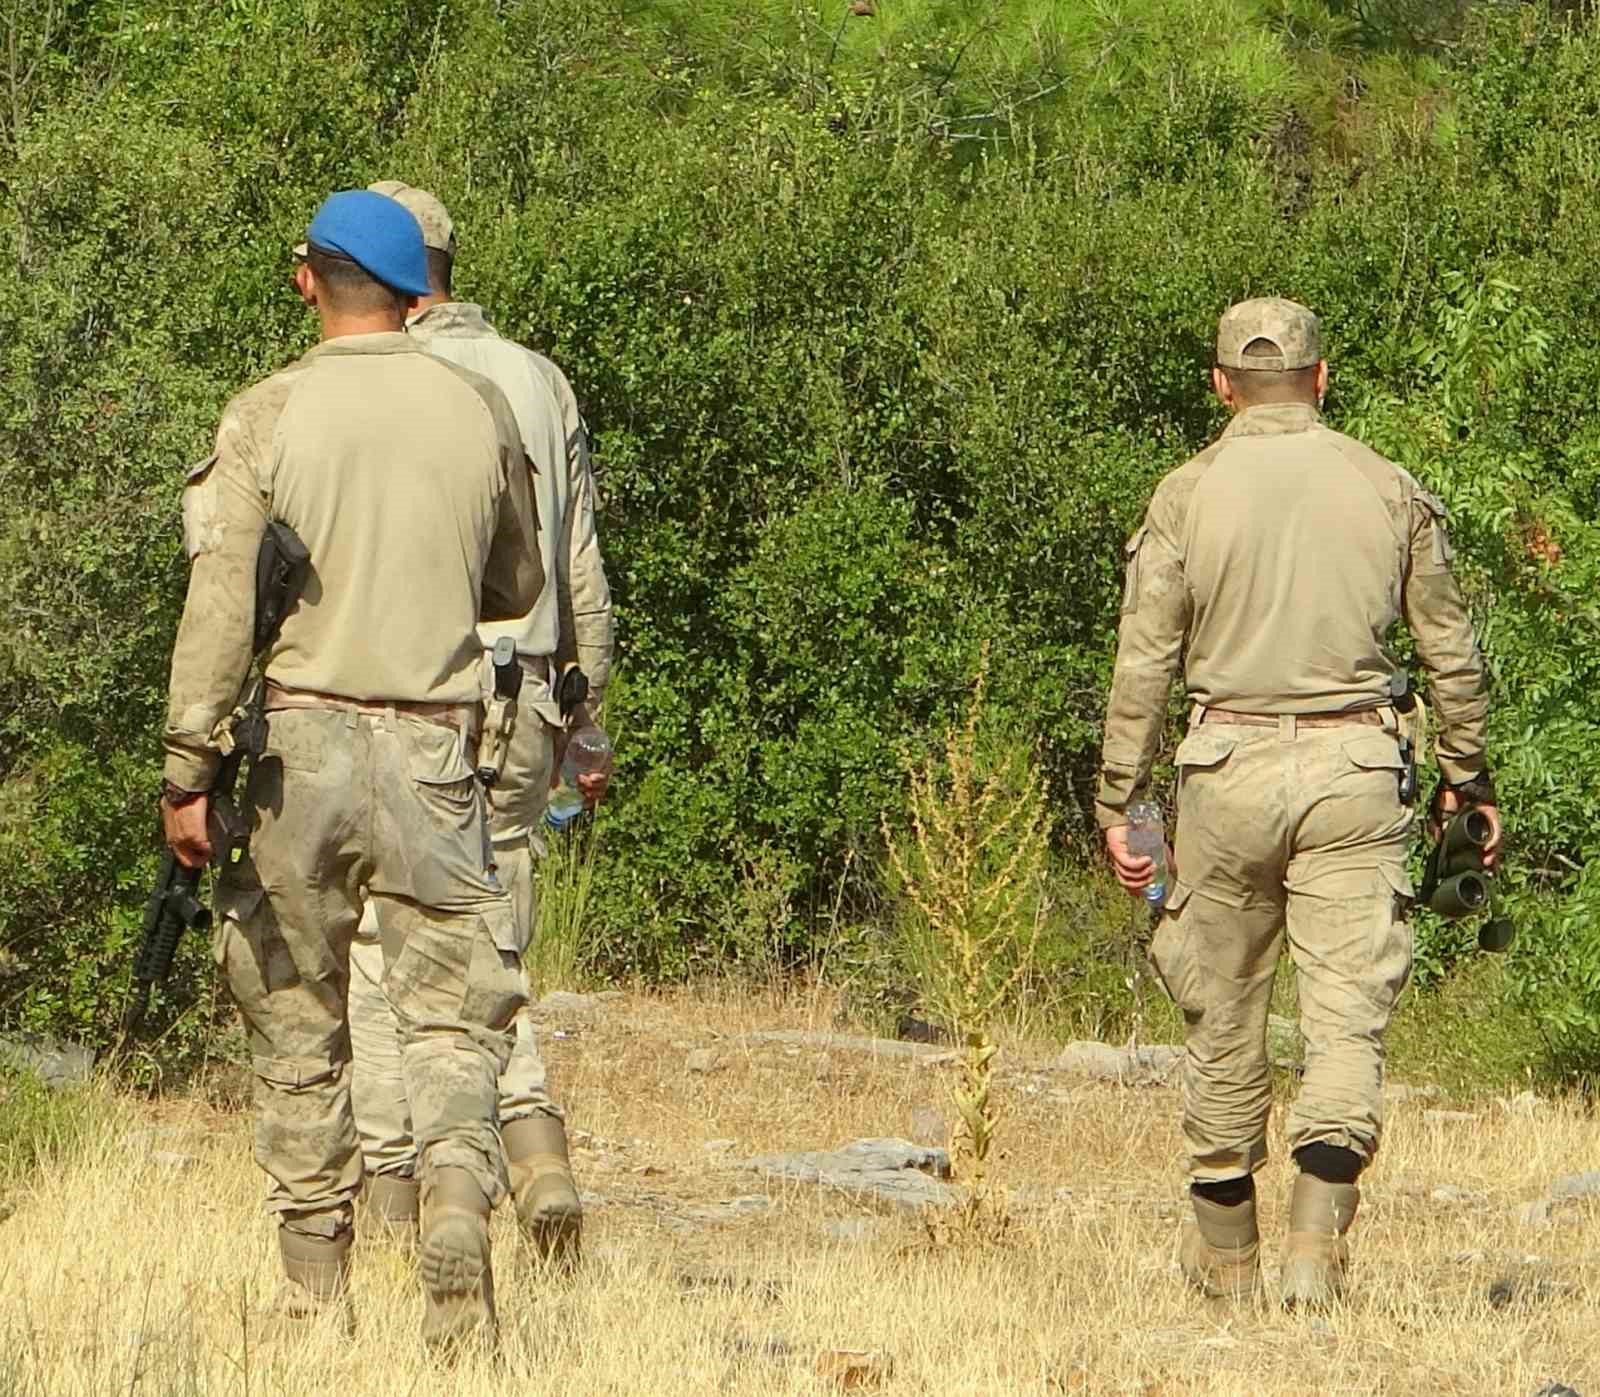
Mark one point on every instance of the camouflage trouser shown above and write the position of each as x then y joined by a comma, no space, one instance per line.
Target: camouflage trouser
343,802
1297,829
378,1089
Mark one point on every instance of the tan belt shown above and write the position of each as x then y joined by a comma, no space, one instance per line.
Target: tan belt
463,717
1364,717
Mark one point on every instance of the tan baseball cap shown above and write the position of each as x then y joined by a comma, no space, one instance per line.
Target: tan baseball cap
1287,326
438,232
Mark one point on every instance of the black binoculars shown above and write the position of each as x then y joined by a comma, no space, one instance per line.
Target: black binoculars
1456,884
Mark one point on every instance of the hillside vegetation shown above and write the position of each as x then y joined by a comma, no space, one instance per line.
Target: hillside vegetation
887,315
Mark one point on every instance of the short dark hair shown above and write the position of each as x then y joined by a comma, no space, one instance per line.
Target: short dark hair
441,270
349,287
1260,386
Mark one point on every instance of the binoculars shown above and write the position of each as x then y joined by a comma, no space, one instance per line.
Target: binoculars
1456,884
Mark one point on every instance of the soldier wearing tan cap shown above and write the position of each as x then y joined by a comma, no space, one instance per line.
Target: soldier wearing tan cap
1272,568
570,624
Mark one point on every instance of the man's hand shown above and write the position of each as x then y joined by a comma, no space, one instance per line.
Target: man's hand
1134,871
593,784
185,829
1449,803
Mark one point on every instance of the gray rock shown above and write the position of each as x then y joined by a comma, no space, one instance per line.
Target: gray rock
851,1230
1398,1092
702,1060
1524,1103
1585,1185
56,1064
729,1210
1534,1214
1448,1117
896,1171
719,1146
1153,1064
565,1006
173,1161
1449,1193
797,1038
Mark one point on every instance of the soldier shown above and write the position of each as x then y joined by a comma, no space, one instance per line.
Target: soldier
1275,564
570,625
406,479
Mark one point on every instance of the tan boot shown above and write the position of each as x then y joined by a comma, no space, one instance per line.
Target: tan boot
1315,1255
456,1272
393,1207
316,1273
1220,1252
548,1210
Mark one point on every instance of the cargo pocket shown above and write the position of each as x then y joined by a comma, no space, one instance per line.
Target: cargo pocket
496,987
236,905
439,767
1204,748
1172,957
1379,752
1391,935
252,955
295,739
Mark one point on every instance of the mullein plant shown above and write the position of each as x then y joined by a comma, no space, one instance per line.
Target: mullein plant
971,873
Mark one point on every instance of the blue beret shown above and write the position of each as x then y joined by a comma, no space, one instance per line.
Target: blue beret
378,234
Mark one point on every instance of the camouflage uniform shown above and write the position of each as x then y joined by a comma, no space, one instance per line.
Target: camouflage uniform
570,622
1272,566
417,522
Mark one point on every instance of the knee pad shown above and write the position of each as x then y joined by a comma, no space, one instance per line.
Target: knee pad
1225,1193
1333,1164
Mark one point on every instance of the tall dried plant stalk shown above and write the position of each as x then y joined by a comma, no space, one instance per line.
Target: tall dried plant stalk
972,876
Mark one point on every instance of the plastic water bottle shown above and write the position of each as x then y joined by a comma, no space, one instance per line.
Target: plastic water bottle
1147,836
588,752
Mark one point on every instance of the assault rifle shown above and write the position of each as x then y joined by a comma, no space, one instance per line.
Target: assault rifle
175,906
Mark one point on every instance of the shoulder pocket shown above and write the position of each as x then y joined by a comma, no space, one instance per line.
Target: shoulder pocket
200,533
1443,553
1130,576
1205,747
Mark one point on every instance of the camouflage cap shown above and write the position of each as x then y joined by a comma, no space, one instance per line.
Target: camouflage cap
438,232
1287,326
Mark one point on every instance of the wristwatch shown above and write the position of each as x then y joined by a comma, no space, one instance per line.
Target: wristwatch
176,796
1476,790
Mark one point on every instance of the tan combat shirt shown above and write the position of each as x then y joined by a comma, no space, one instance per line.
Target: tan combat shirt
572,620
1274,565
405,478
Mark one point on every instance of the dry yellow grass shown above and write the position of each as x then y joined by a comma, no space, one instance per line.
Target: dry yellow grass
126,1272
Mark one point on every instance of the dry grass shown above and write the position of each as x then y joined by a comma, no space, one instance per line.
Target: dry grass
120,1273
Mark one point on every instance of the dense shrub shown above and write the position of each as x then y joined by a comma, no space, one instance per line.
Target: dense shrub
885,335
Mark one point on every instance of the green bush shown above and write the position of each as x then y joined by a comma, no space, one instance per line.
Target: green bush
884,339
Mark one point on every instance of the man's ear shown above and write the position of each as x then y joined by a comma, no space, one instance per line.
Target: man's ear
305,282
1322,380
1222,388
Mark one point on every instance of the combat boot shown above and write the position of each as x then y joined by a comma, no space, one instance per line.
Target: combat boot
1315,1255
456,1272
548,1211
393,1207
316,1273
1220,1251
